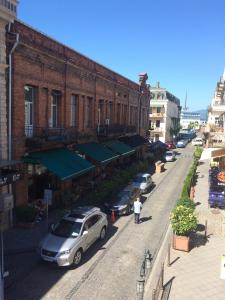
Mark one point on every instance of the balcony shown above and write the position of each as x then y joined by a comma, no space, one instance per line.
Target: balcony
156,129
157,115
113,130
38,137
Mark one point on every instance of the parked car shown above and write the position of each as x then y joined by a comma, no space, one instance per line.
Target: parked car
170,145
197,142
169,156
143,181
122,204
73,235
182,143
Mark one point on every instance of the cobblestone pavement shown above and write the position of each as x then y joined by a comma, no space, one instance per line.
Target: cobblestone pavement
196,275
110,270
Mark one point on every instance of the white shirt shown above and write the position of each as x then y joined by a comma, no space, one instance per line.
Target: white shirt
137,207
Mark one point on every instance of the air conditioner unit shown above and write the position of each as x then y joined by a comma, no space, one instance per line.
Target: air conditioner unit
6,202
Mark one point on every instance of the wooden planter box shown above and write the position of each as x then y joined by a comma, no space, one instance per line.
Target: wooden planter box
181,243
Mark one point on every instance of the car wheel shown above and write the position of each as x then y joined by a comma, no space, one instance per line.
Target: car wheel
77,257
102,234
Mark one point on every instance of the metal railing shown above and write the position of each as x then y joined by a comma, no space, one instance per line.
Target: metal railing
115,129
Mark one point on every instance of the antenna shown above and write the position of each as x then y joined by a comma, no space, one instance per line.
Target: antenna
185,103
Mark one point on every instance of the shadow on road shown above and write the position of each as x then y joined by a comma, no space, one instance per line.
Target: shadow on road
40,277
145,219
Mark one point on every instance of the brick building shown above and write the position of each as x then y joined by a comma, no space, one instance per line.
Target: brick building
61,98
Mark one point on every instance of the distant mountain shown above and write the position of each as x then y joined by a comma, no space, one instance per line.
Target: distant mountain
203,114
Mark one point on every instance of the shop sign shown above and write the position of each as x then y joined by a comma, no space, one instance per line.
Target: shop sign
9,178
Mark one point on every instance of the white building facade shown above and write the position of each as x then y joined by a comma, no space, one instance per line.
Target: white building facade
164,114
187,118
216,111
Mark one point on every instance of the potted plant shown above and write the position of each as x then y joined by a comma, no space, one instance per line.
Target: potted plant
183,222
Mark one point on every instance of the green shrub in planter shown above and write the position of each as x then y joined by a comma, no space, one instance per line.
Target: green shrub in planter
25,213
186,202
183,220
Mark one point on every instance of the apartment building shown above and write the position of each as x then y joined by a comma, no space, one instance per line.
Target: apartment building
164,114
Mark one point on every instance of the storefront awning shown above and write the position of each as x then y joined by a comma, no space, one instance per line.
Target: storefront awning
120,148
134,141
62,162
97,152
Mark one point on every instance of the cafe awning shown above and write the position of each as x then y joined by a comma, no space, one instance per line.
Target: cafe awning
120,148
97,152
63,163
134,141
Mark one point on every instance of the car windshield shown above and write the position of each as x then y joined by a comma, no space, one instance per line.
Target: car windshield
67,228
139,179
124,194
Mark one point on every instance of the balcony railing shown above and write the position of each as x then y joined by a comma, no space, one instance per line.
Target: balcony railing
157,115
38,135
115,129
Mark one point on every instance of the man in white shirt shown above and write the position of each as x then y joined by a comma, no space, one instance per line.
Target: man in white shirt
137,210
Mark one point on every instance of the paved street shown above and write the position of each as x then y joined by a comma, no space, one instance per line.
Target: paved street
110,269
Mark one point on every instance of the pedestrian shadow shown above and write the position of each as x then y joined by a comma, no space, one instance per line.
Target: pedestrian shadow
145,219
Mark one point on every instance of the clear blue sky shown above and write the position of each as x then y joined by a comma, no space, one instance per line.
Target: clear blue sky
180,43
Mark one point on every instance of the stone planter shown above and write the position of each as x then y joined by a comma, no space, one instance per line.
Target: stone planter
181,242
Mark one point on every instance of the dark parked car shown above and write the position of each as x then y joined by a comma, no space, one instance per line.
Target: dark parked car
123,202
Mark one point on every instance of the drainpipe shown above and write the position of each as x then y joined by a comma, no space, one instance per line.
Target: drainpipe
10,96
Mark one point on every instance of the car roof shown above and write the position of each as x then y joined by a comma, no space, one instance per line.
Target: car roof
130,187
143,174
81,213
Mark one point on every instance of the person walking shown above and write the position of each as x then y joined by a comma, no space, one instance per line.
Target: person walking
137,210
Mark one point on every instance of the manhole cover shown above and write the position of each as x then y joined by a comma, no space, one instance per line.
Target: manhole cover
215,211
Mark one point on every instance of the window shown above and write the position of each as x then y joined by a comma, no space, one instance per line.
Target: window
110,112
56,97
73,110
29,95
118,113
157,123
100,112
89,110
150,110
158,110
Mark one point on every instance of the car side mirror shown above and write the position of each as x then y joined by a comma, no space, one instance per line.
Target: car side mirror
85,232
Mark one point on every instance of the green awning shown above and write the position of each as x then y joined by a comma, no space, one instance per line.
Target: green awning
97,152
120,148
62,162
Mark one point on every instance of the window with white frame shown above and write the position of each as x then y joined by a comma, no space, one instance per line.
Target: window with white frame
29,97
56,97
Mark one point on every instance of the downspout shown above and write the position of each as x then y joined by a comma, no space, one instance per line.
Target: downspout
10,97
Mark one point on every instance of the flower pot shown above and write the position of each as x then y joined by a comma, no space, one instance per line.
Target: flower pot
181,243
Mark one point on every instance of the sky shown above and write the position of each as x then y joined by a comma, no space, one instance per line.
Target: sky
180,43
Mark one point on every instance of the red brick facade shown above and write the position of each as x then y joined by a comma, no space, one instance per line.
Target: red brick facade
101,95
46,65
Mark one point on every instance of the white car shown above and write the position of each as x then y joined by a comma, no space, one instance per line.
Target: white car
73,235
169,156
197,142
143,181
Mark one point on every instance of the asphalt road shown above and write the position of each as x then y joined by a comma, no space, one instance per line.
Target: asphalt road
110,269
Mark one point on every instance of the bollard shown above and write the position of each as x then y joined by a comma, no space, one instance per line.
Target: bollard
154,295
113,216
206,223
148,259
168,256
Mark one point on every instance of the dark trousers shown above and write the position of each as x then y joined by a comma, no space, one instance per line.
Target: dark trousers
136,218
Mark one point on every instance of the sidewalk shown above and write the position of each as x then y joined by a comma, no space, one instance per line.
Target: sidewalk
196,275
